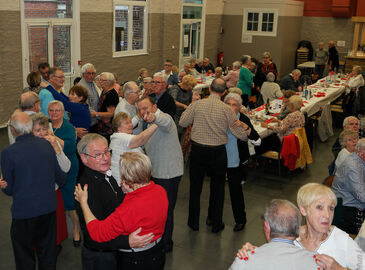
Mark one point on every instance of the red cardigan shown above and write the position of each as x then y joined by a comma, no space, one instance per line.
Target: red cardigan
145,207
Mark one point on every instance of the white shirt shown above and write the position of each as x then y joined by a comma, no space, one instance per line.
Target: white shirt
341,157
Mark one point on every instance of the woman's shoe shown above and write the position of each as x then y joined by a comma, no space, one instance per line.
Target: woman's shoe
77,243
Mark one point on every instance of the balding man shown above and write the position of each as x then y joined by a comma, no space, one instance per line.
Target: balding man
291,81
333,60
282,221
211,118
29,103
30,170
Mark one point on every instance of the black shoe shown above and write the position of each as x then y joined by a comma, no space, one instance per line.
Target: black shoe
194,228
77,243
58,250
208,222
218,229
239,227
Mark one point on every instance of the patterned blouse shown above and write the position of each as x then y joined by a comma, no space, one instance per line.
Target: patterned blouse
290,123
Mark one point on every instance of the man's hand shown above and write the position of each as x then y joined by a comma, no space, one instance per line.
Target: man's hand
149,117
81,132
93,114
136,241
238,123
3,184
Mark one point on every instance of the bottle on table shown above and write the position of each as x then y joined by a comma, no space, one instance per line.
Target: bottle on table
267,105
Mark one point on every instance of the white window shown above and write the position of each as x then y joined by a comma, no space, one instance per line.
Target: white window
130,27
260,22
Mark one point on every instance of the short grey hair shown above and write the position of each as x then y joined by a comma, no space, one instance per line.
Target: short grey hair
283,218
296,71
55,102
345,134
147,79
128,88
270,77
83,145
245,59
347,119
360,146
28,100
235,90
199,60
296,102
266,54
20,126
86,67
160,74
235,97
109,77
236,64
218,85
40,119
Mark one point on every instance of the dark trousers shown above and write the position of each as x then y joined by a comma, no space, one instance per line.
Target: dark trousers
212,160
171,186
244,100
235,191
97,260
319,70
352,219
151,259
35,236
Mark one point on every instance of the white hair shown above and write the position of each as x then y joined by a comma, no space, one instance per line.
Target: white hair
129,88
54,102
236,64
109,77
296,71
234,96
270,77
160,74
347,119
147,79
20,127
86,67
360,146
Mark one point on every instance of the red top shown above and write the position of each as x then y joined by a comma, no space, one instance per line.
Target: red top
145,207
290,151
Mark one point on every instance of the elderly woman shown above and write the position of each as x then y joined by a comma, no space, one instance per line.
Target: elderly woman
245,81
237,157
108,101
348,140
143,73
144,206
65,131
123,140
198,65
232,77
355,80
270,90
218,72
41,129
263,69
294,120
349,184
285,106
335,248
35,84
182,94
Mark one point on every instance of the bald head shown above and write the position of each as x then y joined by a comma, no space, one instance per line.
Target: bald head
331,44
218,86
29,101
20,123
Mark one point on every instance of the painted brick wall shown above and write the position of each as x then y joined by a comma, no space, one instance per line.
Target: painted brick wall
213,37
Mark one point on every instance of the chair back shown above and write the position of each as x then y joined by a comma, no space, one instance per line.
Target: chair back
305,152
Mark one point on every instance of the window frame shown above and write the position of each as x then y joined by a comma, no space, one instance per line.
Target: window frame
259,31
130,51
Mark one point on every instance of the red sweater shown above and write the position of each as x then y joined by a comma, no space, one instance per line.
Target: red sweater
145,207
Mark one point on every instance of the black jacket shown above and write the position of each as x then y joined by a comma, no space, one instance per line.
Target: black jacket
166,103
243,145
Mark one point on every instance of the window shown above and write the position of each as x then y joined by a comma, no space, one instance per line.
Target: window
260,22
130,27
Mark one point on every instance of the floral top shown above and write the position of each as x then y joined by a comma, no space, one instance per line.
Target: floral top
290,123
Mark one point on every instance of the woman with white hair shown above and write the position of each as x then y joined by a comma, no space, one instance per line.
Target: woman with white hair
245,81
270,90
231,78
348,140
355,80
294,120
237,158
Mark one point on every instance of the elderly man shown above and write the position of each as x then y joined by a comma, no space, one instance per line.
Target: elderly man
128,103
282,221
320,59
351,123
349,184
270,90
167,72
198,65
164,150
333,60
93,92
104,196
164,101
29,103
43,69
291,81
30,170
207,67
211,118
147,86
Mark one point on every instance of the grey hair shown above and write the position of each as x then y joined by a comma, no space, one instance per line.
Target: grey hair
270,77
83,145
147,79
283,218
86,67
192,60
245,59
235,90
219,69
28,100
54,102
360,146
266,54
236,64
160,74
109,77
234,96
218,85
199,60
206,59
296,102
345,134
40,119
128,88
296,71
347,119
20,127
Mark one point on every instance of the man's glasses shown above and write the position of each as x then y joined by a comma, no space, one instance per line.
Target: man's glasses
60,77
156,82
90,73
99,156
55,111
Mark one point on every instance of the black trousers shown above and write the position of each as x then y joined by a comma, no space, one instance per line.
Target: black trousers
235,191
151,259
203,160
97,260
35,237
171,186
352,219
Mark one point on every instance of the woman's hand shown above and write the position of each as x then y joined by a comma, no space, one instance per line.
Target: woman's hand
3,183
245,250
81,132
53,141
327,262
81,194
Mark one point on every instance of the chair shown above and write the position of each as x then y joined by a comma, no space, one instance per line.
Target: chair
305,156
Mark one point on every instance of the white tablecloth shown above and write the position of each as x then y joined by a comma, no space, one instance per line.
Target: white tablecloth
203,85
309,64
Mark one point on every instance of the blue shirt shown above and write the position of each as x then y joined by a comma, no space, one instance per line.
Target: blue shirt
233,156
94,106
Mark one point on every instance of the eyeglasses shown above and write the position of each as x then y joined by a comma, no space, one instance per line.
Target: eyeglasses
55,111
99,156
266,57
168,65
60,77
90,73
156,82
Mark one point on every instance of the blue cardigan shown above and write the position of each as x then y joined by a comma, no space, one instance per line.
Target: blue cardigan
31,170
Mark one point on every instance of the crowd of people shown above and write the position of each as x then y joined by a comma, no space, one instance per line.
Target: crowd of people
113,157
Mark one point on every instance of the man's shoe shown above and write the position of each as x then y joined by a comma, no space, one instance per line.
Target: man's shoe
239,227
218,229
194,228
